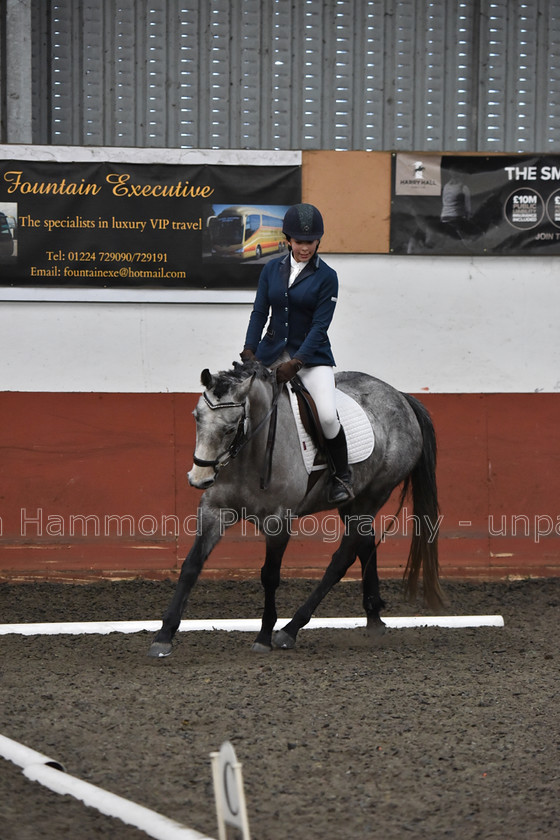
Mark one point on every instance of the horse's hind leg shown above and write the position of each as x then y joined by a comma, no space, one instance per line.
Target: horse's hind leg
270,579
341,561
372,601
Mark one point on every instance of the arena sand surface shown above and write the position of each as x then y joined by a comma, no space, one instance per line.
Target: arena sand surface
428,733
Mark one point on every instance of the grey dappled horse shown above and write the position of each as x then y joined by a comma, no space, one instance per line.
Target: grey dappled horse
232,422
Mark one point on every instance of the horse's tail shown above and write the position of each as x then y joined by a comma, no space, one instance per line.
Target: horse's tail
423,554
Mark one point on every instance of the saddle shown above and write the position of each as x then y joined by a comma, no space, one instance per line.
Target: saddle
308,413
359,433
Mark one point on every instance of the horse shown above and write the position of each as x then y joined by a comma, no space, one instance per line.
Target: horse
246,439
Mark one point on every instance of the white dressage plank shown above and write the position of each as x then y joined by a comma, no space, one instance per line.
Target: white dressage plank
244,625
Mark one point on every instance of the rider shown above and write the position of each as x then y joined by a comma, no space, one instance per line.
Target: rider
301,290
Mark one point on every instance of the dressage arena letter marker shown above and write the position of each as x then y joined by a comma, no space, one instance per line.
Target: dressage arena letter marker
40,768
228,791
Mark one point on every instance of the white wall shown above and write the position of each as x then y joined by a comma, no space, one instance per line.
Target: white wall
443,324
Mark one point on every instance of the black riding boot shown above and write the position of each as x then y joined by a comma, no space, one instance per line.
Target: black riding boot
340,487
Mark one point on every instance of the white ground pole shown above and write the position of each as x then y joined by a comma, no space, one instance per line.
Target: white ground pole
244,625
50,773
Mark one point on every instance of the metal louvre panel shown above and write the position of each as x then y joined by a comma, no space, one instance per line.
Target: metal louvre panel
163,47
255,128
67,71
41,72
549,100
317,74
95,54
542,39
157,47
519,75
432,89
407,58
460,71
370,113
219,56
519,57
429,116
446,72
349,69
128,120
191,77
296,86
494,80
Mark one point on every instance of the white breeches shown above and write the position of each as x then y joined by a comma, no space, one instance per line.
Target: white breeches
319,381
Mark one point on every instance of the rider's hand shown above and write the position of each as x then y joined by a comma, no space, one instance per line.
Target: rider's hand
247,355
287,370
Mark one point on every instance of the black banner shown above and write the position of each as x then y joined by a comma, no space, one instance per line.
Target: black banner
137,225
455,204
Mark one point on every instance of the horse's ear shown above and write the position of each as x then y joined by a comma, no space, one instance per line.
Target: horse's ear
244,389
207,379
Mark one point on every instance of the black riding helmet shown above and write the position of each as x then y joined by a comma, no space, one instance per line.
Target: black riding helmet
304,223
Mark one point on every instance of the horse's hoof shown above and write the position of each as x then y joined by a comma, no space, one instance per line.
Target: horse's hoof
160,649
283,640
258,647
376,629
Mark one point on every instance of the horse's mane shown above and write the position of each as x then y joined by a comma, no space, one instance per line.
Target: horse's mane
225,380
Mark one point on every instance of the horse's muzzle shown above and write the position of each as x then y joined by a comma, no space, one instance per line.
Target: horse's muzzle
201,477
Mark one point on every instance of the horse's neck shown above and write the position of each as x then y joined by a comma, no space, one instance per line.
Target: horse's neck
260,401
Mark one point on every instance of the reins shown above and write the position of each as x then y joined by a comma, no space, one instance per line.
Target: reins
273,414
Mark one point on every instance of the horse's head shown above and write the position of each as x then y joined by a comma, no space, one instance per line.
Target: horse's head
221,422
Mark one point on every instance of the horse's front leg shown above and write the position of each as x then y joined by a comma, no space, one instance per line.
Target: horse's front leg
210,532
270,579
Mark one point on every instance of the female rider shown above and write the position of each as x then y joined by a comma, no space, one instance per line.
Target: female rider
300,291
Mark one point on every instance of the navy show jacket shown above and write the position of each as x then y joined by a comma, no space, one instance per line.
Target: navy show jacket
300,316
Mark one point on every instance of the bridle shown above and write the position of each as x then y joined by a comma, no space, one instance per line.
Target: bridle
242,437
237,442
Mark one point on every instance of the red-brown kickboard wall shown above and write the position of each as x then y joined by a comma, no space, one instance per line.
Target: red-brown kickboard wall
97,455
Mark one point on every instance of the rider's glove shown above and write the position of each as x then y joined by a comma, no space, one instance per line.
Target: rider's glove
247,355
287,370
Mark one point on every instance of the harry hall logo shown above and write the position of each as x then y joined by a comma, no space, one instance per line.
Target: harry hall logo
418,168
416,175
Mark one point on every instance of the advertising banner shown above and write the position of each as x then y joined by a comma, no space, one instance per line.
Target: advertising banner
472,204
141,225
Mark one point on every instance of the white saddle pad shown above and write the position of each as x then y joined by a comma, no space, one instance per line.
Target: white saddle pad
359,434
